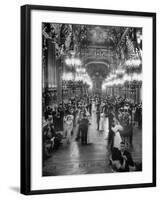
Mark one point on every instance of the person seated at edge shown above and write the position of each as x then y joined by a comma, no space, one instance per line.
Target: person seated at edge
128,158
121,160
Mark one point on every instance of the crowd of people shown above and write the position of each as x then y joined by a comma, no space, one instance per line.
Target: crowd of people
115,117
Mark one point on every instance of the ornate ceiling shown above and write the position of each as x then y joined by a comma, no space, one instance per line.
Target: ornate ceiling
100,48
103,36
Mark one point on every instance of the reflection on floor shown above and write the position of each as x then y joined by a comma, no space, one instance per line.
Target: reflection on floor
75,158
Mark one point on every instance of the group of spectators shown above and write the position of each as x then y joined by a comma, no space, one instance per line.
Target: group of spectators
121,116
120,113
59,122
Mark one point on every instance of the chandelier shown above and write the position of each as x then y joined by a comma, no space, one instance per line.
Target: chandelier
133,63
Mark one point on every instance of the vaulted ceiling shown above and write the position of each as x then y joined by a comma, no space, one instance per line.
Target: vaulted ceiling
103,36
101,48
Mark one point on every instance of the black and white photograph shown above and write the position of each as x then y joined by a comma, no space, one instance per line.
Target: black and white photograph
80,80
92,101
88,99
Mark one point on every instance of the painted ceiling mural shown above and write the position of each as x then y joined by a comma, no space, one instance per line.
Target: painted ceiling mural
101,48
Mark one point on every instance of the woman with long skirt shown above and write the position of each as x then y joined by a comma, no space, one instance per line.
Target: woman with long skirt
117,137
101,123
68,127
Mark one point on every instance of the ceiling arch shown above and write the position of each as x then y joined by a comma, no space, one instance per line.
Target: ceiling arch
97,70
97,63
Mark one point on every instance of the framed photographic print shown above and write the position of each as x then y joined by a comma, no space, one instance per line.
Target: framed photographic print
88,99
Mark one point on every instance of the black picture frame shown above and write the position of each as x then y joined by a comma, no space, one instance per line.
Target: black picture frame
26,98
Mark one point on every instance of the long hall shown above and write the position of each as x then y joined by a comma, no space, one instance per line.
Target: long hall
91,99
76,158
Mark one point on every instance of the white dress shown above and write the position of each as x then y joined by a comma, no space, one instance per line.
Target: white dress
89,134
101,123
106,127
93,107
87,113
117,137
69,127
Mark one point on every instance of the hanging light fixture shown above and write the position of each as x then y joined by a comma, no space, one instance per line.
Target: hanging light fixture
73,62
133,62
120,71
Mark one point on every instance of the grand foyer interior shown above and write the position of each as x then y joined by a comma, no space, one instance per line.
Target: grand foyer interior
85,59
89,65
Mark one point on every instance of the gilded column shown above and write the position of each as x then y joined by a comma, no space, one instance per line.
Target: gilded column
51,64
59,80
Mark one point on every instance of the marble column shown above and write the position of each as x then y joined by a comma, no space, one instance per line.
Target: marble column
140,92
59,69
137,93
45,69
51,64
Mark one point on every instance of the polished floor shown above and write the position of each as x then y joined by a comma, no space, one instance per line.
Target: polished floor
75,158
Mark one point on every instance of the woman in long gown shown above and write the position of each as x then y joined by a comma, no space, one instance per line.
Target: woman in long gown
106,127
117,137
78,120
101,123
68,127
93,106
90,132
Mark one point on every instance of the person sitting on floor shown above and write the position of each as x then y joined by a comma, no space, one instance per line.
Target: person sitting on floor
121,160
129,164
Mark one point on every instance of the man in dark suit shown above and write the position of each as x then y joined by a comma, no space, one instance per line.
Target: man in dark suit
60,116
98,118
83,128
126,155
90,108
111,124
105,108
